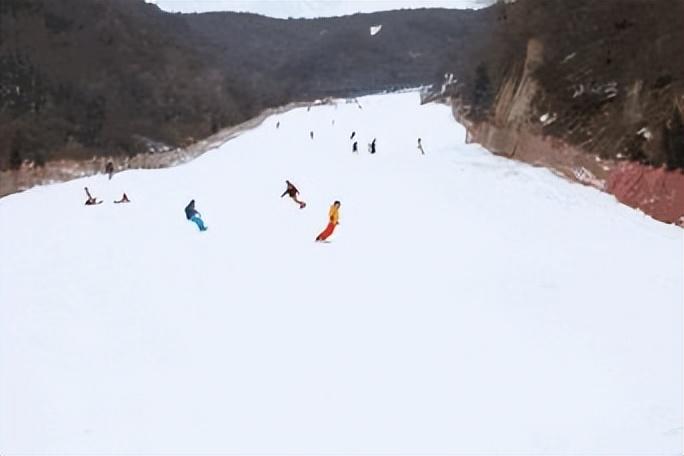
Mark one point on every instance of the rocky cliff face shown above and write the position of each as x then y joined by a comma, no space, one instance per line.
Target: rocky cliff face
593,90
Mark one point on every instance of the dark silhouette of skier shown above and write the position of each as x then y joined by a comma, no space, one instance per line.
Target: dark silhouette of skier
420,147
194,216
371,146
124,199
311,134
278,124
292,192
352,135
109,169
355,147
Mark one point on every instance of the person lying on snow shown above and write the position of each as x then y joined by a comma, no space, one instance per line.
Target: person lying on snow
91,201
333,217
292,192
194,216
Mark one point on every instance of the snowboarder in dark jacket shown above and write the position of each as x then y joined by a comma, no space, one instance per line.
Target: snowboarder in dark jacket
292,192
194,216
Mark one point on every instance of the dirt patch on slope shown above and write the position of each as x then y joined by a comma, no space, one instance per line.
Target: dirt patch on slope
656,191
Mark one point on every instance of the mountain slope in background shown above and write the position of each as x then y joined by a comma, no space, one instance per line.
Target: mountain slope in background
83,78
593,90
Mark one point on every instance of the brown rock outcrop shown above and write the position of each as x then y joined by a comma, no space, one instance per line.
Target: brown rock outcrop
592,90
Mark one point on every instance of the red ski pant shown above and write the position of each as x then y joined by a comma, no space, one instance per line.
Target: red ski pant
326,232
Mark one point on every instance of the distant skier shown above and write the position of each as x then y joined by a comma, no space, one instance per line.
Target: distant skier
278,124
311,134
194,216
420,147
355,147
124,199
352,135
91,201
292,192
371,147
109,169
333,221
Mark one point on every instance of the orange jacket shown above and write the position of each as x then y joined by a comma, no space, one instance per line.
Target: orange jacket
334,214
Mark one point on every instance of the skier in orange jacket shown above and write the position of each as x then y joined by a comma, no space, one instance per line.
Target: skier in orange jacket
334,217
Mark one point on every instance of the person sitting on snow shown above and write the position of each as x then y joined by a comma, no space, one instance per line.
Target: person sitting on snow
194,216
91,201
292,191
124,199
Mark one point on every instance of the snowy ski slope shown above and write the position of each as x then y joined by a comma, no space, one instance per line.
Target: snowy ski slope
467,304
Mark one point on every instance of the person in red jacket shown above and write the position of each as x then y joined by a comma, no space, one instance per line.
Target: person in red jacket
292,192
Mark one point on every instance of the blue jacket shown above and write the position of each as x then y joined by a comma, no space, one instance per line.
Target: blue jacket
190,210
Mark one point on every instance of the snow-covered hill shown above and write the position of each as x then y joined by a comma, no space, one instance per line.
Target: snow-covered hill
466,303
311,8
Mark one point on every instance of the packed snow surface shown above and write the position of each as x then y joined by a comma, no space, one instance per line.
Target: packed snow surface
284,9
465,304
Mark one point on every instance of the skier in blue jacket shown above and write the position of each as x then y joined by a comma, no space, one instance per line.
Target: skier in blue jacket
194,216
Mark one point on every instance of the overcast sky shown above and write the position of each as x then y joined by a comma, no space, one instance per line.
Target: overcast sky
309,8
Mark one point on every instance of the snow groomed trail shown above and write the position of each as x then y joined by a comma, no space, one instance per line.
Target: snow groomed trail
467,304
